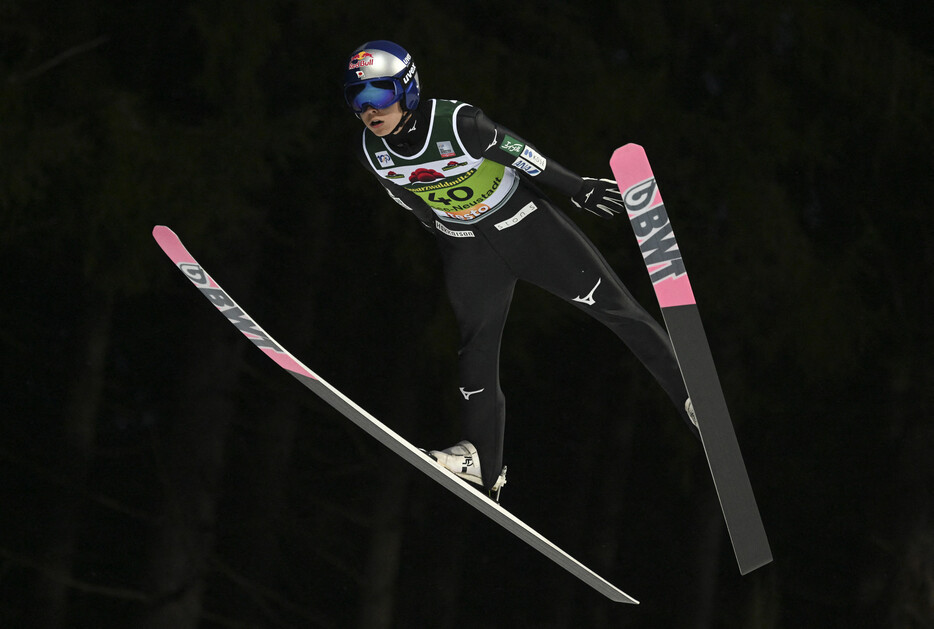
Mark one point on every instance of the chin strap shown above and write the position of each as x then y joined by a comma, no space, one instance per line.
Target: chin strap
406,117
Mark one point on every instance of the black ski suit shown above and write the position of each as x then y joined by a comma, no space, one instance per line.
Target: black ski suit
484,252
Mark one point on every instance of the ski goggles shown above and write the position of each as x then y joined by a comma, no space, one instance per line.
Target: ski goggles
377,94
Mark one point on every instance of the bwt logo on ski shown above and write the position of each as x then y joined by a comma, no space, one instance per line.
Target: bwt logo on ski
228,307
653,231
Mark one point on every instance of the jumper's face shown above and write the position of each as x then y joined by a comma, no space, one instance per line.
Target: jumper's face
382,121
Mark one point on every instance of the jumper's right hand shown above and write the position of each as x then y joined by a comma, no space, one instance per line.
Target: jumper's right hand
599,196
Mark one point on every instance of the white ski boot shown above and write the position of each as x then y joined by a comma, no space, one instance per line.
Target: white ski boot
462,459
689,407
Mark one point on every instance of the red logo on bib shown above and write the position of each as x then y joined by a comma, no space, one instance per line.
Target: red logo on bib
425,175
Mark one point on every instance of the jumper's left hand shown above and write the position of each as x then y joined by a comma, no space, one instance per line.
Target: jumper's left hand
599,196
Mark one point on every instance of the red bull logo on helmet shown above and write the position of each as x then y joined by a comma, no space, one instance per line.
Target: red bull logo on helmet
360,60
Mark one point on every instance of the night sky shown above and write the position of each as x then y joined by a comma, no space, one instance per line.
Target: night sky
157,471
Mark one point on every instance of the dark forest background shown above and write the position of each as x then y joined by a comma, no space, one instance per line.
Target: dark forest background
156,471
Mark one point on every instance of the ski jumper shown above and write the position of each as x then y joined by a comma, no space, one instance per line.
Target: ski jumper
473,184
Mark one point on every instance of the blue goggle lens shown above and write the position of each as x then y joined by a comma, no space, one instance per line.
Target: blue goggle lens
377,94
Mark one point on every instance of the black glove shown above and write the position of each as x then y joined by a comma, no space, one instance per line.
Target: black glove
599,196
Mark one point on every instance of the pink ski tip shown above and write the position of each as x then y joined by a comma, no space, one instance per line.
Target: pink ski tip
632,161
171,245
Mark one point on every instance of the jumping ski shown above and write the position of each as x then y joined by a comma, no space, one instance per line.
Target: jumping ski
177,252
662,257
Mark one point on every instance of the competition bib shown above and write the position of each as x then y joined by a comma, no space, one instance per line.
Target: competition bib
456,186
